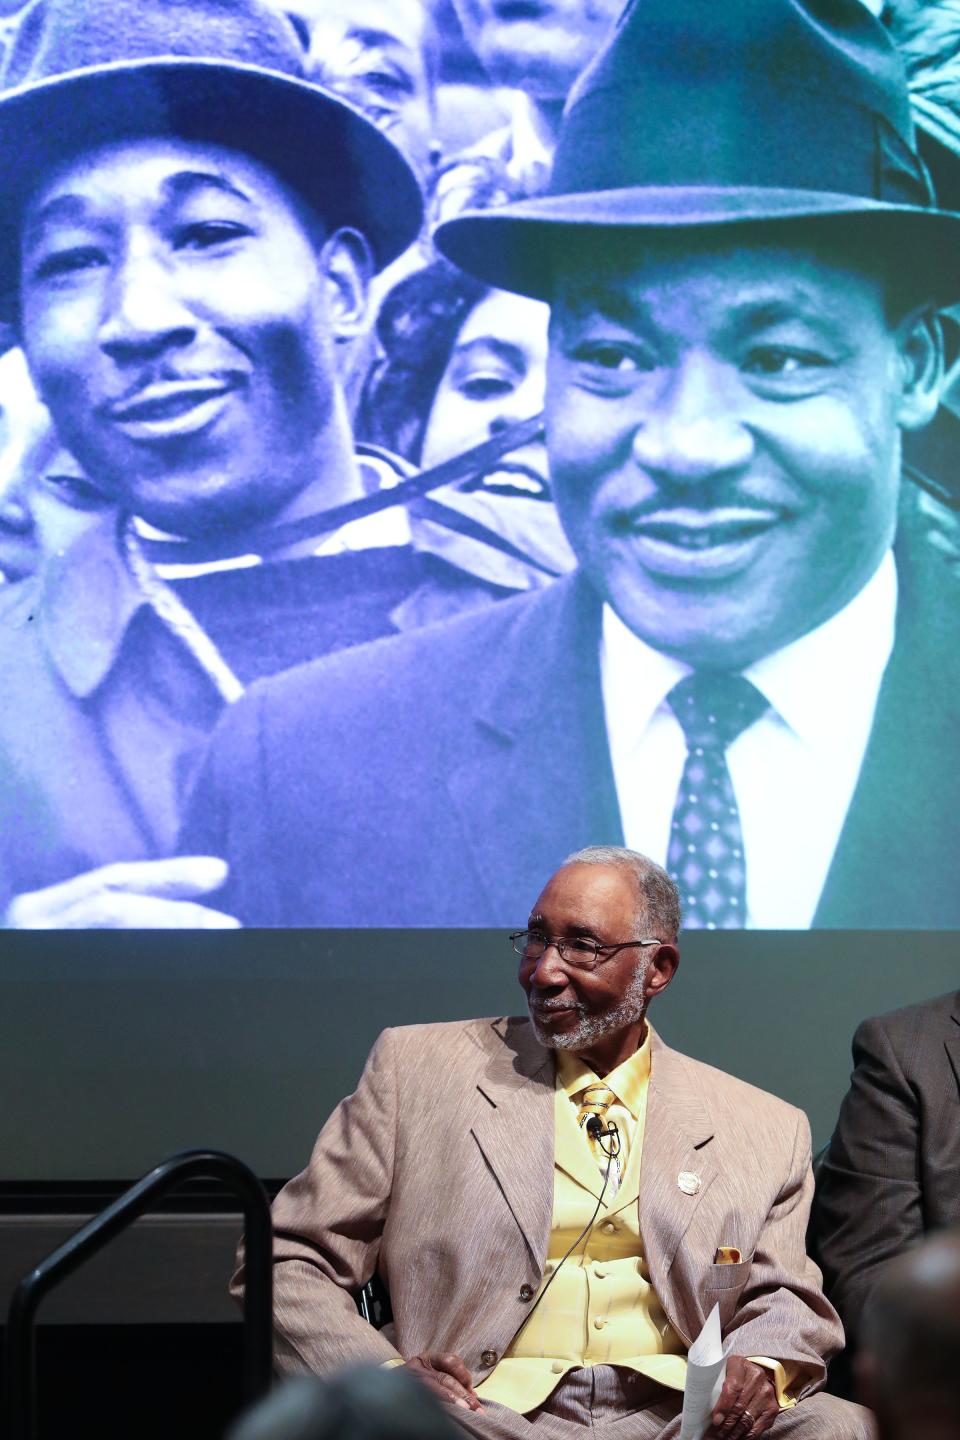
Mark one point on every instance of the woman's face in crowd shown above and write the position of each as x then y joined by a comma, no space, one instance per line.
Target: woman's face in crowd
496,376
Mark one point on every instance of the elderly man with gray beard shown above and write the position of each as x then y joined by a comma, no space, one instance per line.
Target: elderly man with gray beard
490,1172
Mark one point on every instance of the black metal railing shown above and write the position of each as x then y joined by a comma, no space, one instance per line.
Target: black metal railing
19,1409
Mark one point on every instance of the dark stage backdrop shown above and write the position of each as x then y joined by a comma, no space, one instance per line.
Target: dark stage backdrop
116,1049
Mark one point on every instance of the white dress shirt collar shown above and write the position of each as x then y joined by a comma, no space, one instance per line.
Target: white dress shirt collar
793,771
831,670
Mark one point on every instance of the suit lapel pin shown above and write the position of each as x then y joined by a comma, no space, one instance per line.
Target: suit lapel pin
688,1182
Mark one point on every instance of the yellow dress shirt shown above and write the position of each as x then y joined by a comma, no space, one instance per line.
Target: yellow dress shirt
601,1309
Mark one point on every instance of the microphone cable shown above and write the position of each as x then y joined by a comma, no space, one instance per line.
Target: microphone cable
595,1130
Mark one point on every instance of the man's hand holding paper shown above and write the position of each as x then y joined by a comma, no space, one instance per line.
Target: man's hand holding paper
747,1404
728,1398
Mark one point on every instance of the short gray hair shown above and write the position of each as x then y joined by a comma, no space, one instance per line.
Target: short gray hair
657,893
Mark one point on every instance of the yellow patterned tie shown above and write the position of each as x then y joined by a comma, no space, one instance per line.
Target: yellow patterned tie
596,1100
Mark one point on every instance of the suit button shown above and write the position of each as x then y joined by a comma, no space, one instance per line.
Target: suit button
488,1358
526,1292
608,1227
558,1367
599,1323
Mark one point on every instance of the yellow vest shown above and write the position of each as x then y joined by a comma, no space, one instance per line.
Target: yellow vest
601,1309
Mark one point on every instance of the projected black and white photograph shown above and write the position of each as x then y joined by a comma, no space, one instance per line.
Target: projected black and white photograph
479,559
439,435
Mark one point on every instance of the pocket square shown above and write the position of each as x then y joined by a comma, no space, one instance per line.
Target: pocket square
727,1255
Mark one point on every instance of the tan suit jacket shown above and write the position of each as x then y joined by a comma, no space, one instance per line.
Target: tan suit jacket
438,1172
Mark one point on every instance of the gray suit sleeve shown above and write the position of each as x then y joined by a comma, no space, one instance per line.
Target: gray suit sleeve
328,1224
869,1203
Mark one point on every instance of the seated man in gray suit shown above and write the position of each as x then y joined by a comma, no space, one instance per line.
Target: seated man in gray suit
892,1173
472,1164
729,682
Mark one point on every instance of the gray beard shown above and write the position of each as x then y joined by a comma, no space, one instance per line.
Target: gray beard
631,1008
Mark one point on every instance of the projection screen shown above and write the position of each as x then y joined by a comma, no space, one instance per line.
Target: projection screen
349,590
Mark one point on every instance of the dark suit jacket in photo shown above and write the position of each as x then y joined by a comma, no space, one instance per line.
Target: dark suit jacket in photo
892,1172
438,778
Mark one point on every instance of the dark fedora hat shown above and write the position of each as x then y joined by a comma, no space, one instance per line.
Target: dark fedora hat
82,73
722,112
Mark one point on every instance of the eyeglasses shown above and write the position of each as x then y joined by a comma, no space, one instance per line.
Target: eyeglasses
580,953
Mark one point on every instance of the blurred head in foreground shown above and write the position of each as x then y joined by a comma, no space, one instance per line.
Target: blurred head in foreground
362,1403
908,1367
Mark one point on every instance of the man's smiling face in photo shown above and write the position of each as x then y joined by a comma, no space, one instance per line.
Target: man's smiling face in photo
723,420
177,313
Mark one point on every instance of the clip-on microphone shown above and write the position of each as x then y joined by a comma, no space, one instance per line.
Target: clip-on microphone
594,1128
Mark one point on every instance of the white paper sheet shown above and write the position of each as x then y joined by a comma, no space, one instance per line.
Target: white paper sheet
706,1368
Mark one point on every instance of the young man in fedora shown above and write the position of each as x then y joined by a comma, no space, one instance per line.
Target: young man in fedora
745,678
189,232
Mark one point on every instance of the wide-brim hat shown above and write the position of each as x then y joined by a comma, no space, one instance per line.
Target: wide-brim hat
83,73
699,113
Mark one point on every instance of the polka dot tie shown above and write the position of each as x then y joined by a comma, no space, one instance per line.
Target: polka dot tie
706,844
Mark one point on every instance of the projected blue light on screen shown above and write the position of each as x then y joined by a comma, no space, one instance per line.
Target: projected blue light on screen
702,614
